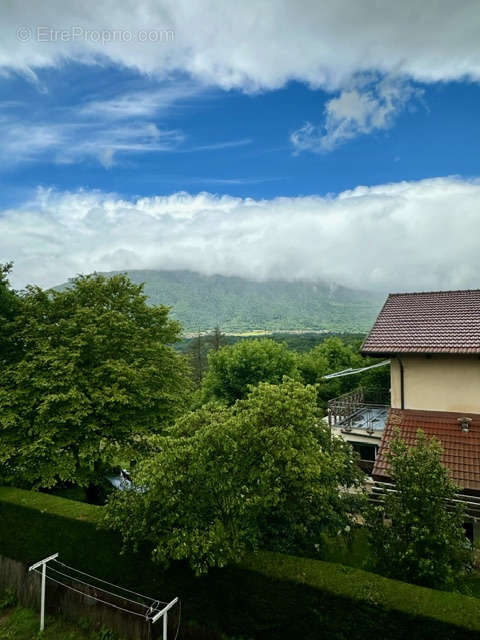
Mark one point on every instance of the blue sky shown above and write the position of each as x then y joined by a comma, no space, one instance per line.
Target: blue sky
226,141
335,140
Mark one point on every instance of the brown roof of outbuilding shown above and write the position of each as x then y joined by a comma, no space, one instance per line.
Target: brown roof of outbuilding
461,450
433,322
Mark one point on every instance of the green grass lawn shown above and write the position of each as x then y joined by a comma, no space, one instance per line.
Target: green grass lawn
17,623
23,624
471,585
355,553
71,493
359,554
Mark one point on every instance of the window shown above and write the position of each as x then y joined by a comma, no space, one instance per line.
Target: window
365,451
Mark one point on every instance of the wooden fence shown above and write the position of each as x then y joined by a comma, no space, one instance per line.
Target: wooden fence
74,606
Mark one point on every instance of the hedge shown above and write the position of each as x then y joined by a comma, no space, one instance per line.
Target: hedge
269,596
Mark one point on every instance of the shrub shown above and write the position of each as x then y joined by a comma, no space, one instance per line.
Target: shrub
8,599
265,473
424,542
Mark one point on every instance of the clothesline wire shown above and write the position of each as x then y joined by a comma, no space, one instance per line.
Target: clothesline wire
82,593
83,573
110,593
179,618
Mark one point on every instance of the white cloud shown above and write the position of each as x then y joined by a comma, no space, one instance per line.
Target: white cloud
76,140
255,45
103,144
25,140
218,146
142,104
355,111
102,130
402,236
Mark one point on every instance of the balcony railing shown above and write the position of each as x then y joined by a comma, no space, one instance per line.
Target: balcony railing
350,411
471,503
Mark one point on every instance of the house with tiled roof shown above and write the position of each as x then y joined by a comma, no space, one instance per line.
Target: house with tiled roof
433,342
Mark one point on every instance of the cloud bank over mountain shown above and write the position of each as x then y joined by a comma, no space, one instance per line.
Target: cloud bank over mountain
417,235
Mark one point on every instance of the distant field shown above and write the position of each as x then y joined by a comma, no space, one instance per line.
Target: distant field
300,341
259,333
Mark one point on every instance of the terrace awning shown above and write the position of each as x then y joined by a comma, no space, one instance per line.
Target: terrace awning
351,371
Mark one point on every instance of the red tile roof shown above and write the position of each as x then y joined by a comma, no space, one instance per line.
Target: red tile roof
435,322
461,451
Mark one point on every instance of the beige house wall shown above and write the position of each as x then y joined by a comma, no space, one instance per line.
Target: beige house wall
437,383
395,384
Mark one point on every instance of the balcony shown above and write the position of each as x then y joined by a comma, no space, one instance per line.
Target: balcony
350,413
360,423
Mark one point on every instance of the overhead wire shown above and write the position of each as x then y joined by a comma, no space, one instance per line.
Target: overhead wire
110,593
111,584
87,595
179,618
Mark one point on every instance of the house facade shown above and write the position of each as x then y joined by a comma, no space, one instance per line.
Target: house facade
436,382
433,342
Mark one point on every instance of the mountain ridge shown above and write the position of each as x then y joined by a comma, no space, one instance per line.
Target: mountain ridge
235,304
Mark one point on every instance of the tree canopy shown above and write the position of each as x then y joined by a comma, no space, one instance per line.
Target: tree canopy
423,540
9,308
234,369
265,472
333,355
96,371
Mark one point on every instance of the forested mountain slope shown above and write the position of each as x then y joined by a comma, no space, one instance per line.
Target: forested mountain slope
236,304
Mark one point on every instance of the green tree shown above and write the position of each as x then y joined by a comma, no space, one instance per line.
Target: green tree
335,354
265,473
312,365
9,308
97,371
332,355
216,339
422,540
233,370
197,352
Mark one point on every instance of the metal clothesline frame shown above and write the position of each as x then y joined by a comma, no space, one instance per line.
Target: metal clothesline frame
34,567
153,612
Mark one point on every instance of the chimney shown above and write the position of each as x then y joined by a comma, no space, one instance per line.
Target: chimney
464,423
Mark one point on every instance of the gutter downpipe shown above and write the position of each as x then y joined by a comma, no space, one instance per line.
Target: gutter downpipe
402,384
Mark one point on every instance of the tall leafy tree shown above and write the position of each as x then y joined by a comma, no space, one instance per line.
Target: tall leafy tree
422,539
9,308
197,352
97,371
216,339
263,473
335,354
233,370
332,355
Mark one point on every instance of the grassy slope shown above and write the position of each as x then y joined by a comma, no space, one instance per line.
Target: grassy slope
235,304
51,504
22,624
279,579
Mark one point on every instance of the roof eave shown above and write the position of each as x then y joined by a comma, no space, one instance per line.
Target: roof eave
452,351
377,354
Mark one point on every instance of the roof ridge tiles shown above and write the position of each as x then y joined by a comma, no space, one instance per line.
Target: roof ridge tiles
440,291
